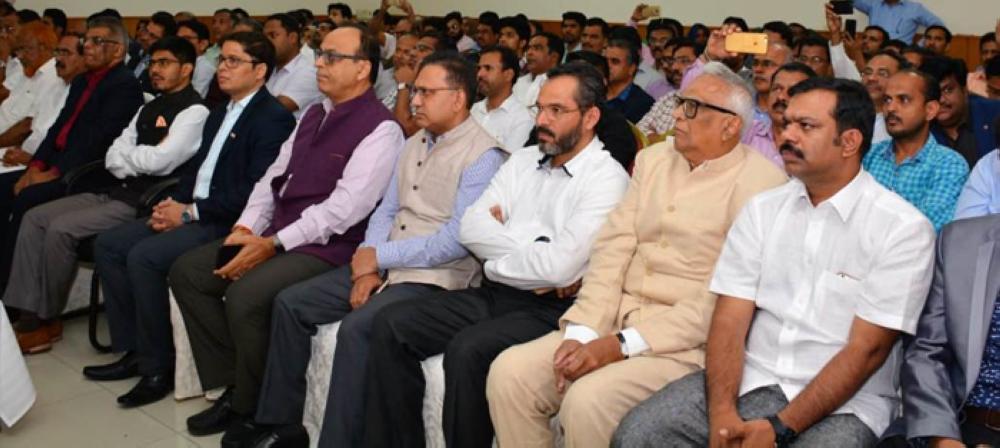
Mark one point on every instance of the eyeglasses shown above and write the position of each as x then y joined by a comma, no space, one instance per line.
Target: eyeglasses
882,73
424,48
233,61
428,91
690,107
552,111
814,59
332,57
61,52
99,41
162,62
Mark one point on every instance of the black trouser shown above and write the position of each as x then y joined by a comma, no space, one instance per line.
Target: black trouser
133,262
471,327
975,434
12,211
229,337
298,310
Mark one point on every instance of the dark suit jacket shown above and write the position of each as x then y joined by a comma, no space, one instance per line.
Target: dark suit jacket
249,150
983,114
107,112
942,360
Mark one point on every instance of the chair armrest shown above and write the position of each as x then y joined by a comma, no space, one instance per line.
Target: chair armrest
87,177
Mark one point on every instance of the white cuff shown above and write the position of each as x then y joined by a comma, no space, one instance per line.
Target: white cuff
194,211
634,343
580,333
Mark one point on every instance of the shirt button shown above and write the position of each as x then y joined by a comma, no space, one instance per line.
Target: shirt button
670,208
402,227
414,188
664,243
419,164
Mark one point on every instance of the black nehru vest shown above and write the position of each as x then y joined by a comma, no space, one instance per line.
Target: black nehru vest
163,109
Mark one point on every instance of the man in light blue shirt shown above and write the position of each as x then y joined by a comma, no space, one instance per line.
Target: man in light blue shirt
913,164
901,18
981,194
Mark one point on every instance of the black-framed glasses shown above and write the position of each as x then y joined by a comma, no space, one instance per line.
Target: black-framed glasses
690,107
428,91
61,52
100,41
162,62
233,61
333,57
553,111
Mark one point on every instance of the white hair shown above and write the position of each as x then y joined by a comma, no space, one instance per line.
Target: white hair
740,98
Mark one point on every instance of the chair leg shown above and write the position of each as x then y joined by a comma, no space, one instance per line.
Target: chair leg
95,309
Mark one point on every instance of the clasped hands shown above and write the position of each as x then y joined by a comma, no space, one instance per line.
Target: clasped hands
255,250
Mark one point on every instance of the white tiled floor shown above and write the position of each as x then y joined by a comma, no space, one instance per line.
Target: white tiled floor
71,411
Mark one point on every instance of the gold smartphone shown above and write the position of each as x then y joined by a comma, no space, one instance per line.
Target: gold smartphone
651,11
751,43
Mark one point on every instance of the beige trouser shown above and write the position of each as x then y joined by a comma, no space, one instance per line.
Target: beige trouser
522,393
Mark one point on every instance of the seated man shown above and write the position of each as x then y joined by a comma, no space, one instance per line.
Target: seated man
294,80
162,136
949,376
660,118
545,52
981,193
786,77
204,69
305,217
659,305
965,122
875,76
500,112
816,280
913,164
411,250
98,107
38,97
429,42
623,94
534,227
238,143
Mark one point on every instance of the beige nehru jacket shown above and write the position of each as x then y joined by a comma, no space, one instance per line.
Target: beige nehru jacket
428,183
653,259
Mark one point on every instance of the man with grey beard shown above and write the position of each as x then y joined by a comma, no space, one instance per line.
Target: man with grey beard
533,227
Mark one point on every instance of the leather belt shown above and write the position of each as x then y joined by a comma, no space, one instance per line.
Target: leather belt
980,416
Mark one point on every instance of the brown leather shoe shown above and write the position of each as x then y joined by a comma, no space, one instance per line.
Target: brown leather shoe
55,327
40,339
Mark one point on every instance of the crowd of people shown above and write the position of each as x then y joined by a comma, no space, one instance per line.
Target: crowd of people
631,228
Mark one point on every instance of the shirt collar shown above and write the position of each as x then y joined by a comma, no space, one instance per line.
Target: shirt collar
845,200
241,104
625,93
434,140
95,76
574,164
735,156
293,63
889,151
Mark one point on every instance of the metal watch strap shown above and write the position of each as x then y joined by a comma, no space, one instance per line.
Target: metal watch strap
783,435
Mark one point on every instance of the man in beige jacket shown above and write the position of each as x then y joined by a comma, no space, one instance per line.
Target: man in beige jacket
642,316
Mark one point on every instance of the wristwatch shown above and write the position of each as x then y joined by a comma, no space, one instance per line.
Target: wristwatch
783,435
624,346
278,247
186,216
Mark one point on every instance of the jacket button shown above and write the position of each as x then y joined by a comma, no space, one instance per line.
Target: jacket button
414,188
402,227
419,164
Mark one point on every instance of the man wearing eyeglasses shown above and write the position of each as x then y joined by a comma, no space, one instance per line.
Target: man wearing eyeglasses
305,217
238,142
815,52
161,137
879,68
641,317
99,105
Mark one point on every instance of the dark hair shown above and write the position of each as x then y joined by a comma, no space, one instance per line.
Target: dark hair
454,15
441,41
106,12
591,58
812,41
630,49
461,72
626,33
289,23
436,23
508,60
931,90
305,13
179,47
297,14
199,28
79,40
895,43
684,42
659,25
574,16
166,21
520,26
248,21
992,67
987,38
943,67
795,67
854,109
943,29
258,46
738,21
240,12
7,9
553,43
27,16
782,29
342,7
490,19
599,22
901,62
590,88
536,25
368,48
225,11
880,30
57,16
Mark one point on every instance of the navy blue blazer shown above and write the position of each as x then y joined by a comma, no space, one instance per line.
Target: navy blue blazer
983,113
108,111
249,150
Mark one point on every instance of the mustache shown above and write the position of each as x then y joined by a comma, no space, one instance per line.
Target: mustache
892,116
780,104
546,131
787,147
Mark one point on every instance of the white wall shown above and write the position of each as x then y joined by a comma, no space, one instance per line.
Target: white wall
962,16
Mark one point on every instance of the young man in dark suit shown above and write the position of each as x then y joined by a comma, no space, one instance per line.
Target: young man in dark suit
240,141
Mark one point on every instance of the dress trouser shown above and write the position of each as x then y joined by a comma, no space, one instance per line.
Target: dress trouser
45,256
471,327
133,262
229,337
12,211
298,310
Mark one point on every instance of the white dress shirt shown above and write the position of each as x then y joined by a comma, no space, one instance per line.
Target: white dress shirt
646,75
880,132
527,87
551,216
466,43
510,124
13,73
127,158
385,87
203,180
297,81
864,253
204,71
39,97
843,65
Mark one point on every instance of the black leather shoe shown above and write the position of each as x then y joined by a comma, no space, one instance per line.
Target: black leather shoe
243,432
150,389
124,368
288,436
214,419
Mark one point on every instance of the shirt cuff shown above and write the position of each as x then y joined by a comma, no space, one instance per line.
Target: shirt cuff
194,212
634,343
290,237
580,333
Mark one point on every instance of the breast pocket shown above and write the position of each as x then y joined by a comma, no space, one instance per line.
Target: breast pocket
837,299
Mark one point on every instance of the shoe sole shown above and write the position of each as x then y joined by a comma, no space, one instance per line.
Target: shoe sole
208,431
37,349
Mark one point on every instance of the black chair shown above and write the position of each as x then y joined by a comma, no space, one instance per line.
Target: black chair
93,177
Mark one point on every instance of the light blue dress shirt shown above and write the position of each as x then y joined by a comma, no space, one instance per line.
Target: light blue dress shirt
981,194
901,20
203,182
